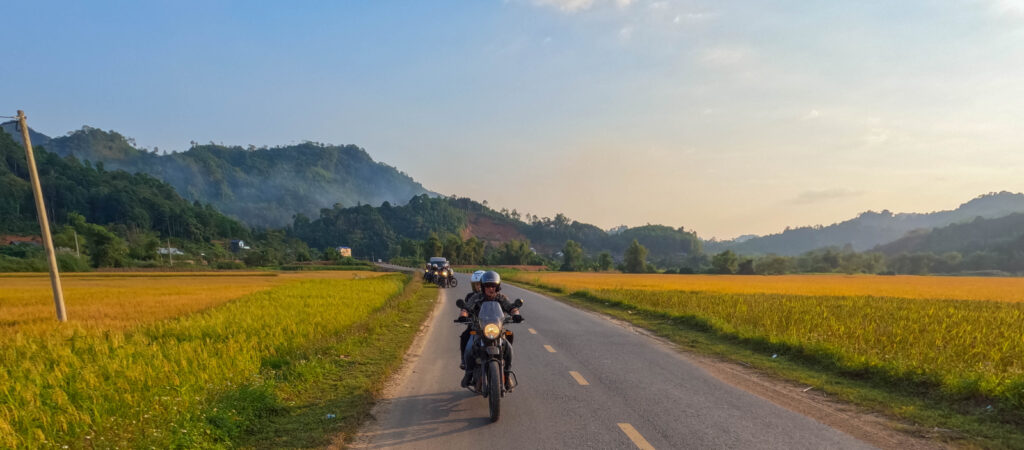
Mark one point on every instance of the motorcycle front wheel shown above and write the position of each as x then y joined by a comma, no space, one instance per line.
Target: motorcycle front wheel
455,283
494,389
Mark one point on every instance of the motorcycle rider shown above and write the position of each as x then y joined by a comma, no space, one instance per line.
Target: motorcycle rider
474,281
490,285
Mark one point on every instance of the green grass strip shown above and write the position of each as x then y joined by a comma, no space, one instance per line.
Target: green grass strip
341,377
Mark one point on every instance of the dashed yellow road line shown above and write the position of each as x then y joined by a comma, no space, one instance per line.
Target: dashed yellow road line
550,349
532,331
579,378
635,436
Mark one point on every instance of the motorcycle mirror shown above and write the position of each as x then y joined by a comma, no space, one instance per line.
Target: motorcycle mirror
460,303
518,303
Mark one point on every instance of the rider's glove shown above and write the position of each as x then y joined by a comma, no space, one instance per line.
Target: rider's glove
517,318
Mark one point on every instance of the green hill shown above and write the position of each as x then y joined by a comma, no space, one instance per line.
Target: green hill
121,214
263,187
382,230
979,245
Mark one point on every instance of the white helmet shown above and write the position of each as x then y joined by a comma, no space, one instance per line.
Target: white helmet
475,280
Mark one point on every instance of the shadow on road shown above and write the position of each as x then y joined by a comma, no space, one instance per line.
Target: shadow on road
422,418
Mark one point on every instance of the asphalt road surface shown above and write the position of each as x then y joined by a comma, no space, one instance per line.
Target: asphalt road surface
584,382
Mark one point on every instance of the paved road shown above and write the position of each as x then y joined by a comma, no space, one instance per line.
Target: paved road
584,382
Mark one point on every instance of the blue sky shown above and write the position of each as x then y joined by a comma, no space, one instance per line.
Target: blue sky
726,117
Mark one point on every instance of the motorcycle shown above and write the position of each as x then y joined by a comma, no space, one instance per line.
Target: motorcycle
446,279
489,352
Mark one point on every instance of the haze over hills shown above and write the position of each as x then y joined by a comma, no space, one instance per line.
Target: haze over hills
263,187
870,228
318,189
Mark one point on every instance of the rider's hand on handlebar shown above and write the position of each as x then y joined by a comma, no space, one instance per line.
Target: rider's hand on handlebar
517,318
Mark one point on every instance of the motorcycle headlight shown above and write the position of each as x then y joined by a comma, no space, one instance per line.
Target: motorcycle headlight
492,330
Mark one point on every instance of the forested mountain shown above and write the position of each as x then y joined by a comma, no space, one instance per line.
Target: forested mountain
120,217
389,230
262,186
138,202
981,244
12,129
870,228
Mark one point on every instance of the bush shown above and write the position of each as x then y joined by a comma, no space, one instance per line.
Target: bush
228,266
415,263
66,262
11,264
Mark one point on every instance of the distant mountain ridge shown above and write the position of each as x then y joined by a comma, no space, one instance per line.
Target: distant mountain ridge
263,187
997,235
870,229
981,246
11,128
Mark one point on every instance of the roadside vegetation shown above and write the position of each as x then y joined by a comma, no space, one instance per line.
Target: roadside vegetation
947,353
207,361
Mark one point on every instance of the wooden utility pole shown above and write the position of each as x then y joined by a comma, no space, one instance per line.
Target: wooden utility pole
44,223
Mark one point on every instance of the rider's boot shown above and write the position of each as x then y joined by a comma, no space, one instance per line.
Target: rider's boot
466,378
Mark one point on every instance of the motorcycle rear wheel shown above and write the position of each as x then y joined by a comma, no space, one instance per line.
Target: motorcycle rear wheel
494,389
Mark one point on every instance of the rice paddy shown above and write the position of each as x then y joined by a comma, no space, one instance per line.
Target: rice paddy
965,336
162,361
902,286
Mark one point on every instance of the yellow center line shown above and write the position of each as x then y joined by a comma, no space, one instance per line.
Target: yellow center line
532,331
579,378
550,350
635,436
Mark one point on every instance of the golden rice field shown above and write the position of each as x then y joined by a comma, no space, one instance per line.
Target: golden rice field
116,300
903,286
936,330
148,360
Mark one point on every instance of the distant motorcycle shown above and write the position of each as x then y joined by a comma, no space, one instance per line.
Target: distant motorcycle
430,275
489,352
445,278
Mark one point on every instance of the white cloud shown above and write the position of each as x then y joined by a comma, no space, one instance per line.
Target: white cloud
724,55
876,136
694,17
623,3
821,195
812,114
625,33
1014,8
567,6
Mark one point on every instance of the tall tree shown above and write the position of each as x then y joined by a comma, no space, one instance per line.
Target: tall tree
725,262
572,256
636,258
432,246
605,261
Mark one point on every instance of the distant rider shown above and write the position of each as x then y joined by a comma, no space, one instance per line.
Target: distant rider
490,284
